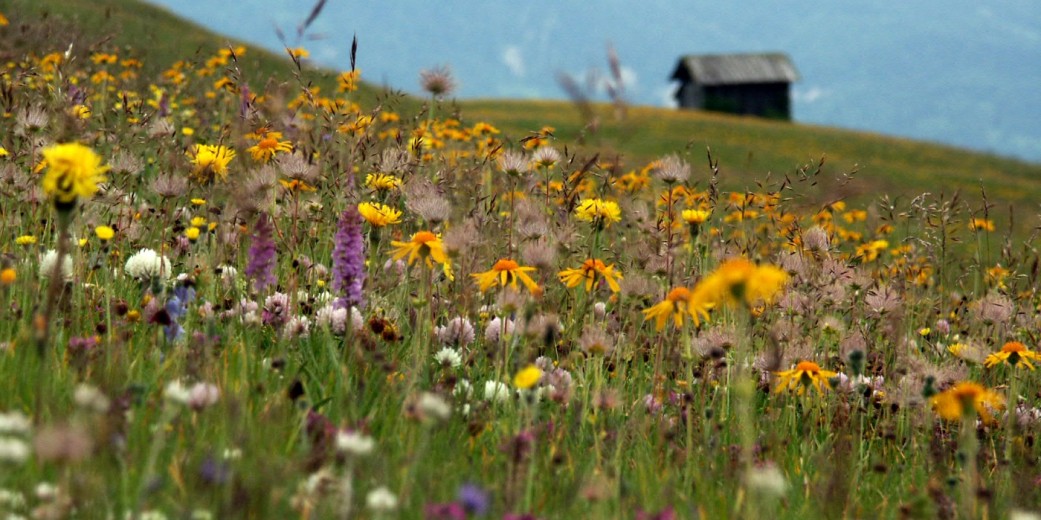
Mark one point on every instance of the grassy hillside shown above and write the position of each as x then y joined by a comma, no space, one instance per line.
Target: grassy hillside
748,149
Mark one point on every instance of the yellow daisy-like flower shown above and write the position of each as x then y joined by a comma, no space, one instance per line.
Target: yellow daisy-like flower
4,152
423,245
382,182
527,377
73,172
598,211
25,240
695,217
348,81
192,233
210,162
8,276
804,375
589,272
981,224
679,303
506,272
269,145
739,280
379,215
104,233
1013,353
959,400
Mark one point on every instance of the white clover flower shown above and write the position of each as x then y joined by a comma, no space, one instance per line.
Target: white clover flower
90,398
354,443
47,265
146,264
448,357
496,391
767,479
381,500
203,395
463,389
176,392
11,499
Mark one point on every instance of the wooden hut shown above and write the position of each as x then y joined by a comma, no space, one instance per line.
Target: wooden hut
754,84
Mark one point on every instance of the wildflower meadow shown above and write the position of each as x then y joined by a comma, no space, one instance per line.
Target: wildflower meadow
224,298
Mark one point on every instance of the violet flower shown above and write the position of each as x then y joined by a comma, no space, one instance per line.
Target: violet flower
349,259
261,267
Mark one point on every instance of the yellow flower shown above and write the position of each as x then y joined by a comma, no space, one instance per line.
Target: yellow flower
192,233
804,375
381,182
527,377
80,111
25,240
3,151
188,131
268,146
348,81
1013,353
8,276
981,224
104,233
506,272
199,202
379,215
961,399
424,245
198,221
678,304
298,53
598,211
738,280
210,162
73,171
3,20
695,217
588,272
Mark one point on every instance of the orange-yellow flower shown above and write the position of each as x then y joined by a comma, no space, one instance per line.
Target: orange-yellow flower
590,271
963,398
738,280
1013,353
679,303
382,182
423,245
804,375
506,272
598,211
269,145
527,377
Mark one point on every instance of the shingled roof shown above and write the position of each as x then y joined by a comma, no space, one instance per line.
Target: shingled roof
729,69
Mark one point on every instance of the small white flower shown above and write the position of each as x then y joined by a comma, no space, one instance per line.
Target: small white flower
11,499
176,392
354,443
202,395
767,479
496,391
45,491
47,265
14,422
448,357
146,264
432,406
463,389
90,398
381,499
13,450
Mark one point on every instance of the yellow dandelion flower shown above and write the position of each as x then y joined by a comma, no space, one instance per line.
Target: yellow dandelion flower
423,245
4,152
804,375
379,215
601,213
199,202
527,377
210,162
192,233
269,145
506,272
198,221
80,112
678,304
25,240
73,172
695,217
382,182
963,398
1013,353
104,233
591,271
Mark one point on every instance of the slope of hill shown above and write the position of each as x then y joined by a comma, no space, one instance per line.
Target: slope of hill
748,149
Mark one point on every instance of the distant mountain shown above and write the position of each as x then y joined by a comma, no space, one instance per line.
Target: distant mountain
961,72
